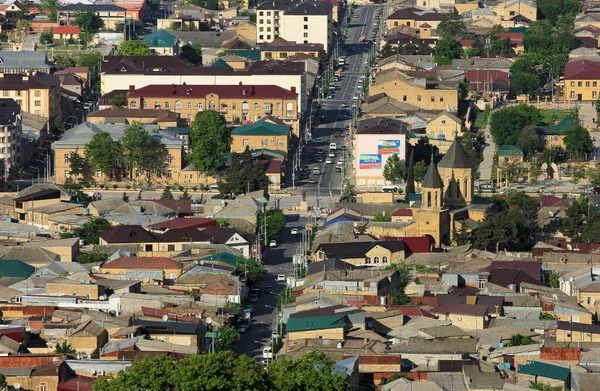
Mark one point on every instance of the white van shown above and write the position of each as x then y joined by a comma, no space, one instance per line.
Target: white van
267,353
332,146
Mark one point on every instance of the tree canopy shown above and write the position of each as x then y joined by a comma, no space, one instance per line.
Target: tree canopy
244,173
134,48
192,53
447,49
582,222
275,222
451,25
88,21
578,142
551,10
393,170
89,231
507,123
142,151
102,153
210,140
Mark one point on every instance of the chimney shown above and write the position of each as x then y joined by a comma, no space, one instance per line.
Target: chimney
497,309
131,89
293,89
240,83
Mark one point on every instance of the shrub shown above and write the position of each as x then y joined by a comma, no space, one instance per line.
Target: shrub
194,188
181,188
167,187
115,186
128,187
102,186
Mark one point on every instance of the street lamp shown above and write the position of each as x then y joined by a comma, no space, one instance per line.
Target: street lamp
38,171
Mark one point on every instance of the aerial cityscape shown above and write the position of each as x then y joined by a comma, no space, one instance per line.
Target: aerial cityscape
299,195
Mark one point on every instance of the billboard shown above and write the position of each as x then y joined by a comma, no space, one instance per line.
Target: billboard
386,147
369,161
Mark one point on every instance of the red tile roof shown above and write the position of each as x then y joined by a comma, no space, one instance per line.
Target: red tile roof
403,212
474,76
66,30
193,222
274,167
239,91
582,69
425,25
514,37
411,311
152,263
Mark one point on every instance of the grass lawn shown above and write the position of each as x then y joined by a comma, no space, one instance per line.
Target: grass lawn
481,119
558,115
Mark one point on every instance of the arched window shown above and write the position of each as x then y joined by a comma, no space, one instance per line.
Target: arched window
233,106
466,189
395,24
256,106
200,107
278,106
435,201
376,260
289,107
167,105
384,260
367,260
428,199
245,106
211,105
458,188
408,23
133,104
177,106
189,105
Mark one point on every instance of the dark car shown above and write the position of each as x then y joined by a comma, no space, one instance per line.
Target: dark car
596,190
255,291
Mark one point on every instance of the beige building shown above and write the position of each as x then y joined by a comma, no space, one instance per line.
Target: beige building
38,94
515,11
110,14
463,316
260,135
413,17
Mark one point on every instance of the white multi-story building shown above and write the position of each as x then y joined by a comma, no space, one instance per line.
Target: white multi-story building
10,136
303,21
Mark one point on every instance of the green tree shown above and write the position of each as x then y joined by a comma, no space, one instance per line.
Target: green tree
89,231
577,174
518,340
348,193
244,173
410,175
64,348
88,21
529,142
78,165
63,62
119,101
546,316
142,151
146,374
463,236
382,216
554,280
451,25
400,298
134,48
420,170
448,48
312,372
185,195
23,26
476,49
473,144
51,6
84,258
166,194
393,170
46,38
125,197
102,153
4,385
226,338
210,141
387,51
191,53
525,83
552,9
275,222
507,123
578,142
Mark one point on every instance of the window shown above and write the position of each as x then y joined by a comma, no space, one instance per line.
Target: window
459,318
578,84
305,35
280,143
572,94
148,247
441,98
268,21
156,105
261,13
264,142
261,29
189,105
512,13
367,260
384,260
289,107
67,174
177,106
431,133
376,260
594,84
234,106
200,107
133,104
594,94
98,174
268,13
443,122
19,93
404,98
144,105
256,106
246,143
169,174
268,29
260,37
211,105
66,159
278,106
167,105
589,300
433,98
305,27
572,84
261,21
43,386
306,18
170,159
587,83
418,98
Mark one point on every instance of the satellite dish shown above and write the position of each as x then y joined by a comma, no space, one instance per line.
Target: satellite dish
551,213
208,320
165,318
569,247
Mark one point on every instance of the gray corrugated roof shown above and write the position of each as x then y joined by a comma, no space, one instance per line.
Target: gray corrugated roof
432,178
455,157
23,59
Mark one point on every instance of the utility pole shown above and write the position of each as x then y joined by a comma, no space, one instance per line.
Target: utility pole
488,46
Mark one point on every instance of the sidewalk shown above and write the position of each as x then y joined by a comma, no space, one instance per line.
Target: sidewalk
485,168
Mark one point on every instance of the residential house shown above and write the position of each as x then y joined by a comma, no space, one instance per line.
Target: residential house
581,81
244,242
443,129
178,333
24,62
333,327
553,135
413,17
162,43
260,135
165,119
35,197
87,337
429,95
381,105
11,143
75,139
281,49
283,19
375,253
135,9
418,352
110,14
464,316
545,372
66,33
36,94
159,269
577,332
127,234
376,140
513,12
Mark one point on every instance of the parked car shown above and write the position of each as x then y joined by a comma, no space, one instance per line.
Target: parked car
255,291
242,328
295,231
280,278
312,181
253,299
596,190
248,309
273,243
329,161
269,289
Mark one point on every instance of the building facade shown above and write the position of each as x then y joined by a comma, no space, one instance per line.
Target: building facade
38,94
10,136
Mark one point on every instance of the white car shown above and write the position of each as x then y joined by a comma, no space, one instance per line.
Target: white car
340,163
295,231
273,243
329,161
280,278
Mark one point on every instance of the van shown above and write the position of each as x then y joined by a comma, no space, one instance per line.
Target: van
333,146
390,189
267,352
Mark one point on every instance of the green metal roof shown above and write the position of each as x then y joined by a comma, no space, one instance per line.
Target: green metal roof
219,63
267,151
564,125
315,323
537,368
161,39
224,257
250,54
261,129
15,268
510,150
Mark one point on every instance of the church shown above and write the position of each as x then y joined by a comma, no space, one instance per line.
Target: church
447,198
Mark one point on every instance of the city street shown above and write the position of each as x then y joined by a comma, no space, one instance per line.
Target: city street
278,260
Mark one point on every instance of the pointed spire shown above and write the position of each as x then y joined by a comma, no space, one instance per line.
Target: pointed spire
432,179
456,157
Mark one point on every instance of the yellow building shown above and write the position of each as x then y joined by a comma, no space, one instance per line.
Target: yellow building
445,126
38,94
553,136
425,94
281,49
170,269
75,139
515,10
323,327
260,135
163,118
582,81
463,316
237,103
110,14
413,17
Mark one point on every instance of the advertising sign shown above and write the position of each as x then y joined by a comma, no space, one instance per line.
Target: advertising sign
386,147
369,161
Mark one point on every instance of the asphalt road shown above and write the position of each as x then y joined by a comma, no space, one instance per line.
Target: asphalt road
336,113
278,260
